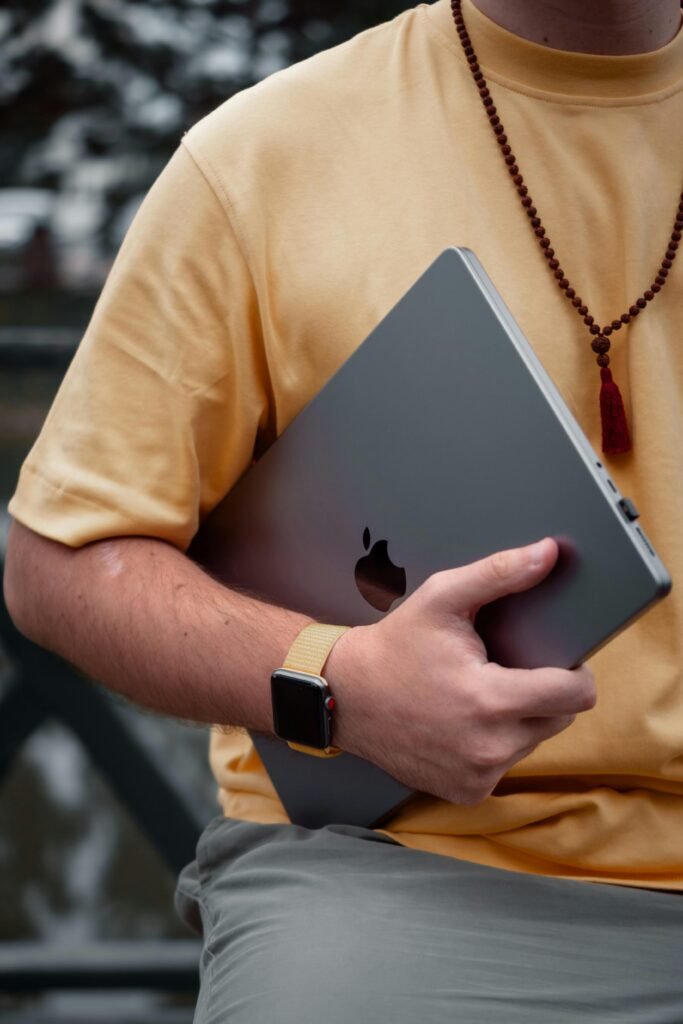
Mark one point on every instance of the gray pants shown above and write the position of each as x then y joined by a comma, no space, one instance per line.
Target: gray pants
343,925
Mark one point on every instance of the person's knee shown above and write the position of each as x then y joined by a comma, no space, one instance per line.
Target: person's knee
292,964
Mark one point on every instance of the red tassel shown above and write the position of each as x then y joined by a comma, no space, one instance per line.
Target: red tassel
615,436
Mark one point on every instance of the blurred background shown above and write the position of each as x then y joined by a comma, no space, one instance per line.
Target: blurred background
100,802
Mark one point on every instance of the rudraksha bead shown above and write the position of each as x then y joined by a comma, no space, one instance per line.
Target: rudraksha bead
600,343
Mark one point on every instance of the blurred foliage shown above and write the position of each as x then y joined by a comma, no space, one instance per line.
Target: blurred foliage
97,93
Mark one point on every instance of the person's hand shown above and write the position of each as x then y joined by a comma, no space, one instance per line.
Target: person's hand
416,694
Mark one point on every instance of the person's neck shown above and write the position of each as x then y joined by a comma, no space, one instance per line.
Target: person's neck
589,26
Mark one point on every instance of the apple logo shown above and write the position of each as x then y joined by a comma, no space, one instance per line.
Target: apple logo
378,579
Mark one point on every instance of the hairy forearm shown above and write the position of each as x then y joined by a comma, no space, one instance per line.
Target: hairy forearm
144,620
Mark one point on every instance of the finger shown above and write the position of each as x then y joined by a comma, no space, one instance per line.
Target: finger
504,572
538,692
535,730
529,733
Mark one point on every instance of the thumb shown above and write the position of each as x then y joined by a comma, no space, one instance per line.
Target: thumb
504,572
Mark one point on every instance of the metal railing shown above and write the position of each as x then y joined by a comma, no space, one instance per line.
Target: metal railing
42,687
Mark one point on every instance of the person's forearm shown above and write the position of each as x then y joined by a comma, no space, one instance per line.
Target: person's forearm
140,617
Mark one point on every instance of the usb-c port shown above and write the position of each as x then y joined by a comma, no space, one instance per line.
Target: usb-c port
645,540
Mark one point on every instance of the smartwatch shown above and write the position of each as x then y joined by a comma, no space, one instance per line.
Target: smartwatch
302,703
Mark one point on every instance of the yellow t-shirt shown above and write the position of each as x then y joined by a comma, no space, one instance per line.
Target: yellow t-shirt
288,223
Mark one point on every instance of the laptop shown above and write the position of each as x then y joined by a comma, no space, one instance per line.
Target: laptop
440,440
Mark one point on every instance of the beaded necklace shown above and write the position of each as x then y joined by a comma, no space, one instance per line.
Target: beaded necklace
615,433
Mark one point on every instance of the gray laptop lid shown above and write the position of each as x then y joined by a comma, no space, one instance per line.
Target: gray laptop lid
440,440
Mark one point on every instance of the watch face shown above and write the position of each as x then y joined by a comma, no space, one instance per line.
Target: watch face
299,711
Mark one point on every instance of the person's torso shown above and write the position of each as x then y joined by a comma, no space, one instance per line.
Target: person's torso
347,176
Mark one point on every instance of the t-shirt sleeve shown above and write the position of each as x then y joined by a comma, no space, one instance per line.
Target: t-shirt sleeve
159,412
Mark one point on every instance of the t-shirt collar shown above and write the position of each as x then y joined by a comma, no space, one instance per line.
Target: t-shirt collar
560,73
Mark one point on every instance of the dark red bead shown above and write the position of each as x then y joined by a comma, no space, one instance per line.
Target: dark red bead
663,272
583,310
563,283
494,120
607,331
655,287
676,236
540,233
576,302
633,310
594,329
513,169
570,293
616,324
641,303
535,222
559,273
649,295
554,264
550,253
603,360
518,179
468,51
588,319
667,264
600,345
498,129
526,201
661,277
503,143
532,211
488,102
509,160
626,318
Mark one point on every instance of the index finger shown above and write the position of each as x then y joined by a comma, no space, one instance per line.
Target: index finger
541,692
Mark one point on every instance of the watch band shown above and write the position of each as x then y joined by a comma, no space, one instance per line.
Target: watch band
308,653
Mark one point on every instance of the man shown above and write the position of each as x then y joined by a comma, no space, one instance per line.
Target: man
289,221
